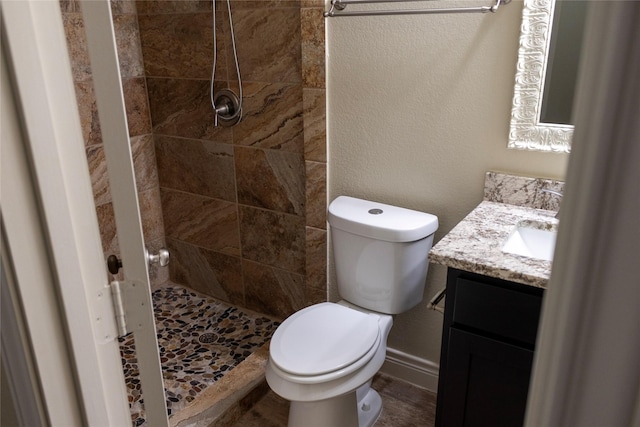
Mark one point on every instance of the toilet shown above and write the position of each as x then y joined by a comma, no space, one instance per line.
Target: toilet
323,357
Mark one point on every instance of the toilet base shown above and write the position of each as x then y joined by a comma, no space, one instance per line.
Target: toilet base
342,411
369,408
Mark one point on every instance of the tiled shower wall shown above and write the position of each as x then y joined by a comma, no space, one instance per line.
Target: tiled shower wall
138,118
243,207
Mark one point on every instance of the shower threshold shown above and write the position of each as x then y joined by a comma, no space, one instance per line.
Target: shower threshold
202,343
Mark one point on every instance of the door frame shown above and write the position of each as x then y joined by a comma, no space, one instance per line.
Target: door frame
137,303
586,370
52,235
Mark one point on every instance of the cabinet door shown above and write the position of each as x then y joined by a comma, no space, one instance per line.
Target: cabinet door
487,382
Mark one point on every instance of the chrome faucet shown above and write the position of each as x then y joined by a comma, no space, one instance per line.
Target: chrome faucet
555,193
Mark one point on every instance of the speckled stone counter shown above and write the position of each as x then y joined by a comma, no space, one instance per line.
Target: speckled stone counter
475,244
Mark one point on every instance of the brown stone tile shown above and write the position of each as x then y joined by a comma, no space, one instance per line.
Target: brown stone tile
151,214
273,238
230,397
272,117
172,6
144,167
128,45
268,43
404,405
202,221
312,3
316,260
123,7
107,225
88,110
144,162
68,6
313,49
77,45
241,375
271,179
226,67
315,296
98,173
401,390
316,194
272,291
200,167
315,126
182,107
157,274
205,271
270,411
262,4
181,45
137,106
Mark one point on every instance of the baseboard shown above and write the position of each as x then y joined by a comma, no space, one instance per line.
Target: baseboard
412,369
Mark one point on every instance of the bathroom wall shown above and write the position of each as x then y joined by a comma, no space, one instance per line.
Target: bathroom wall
419,110
135,94
244,207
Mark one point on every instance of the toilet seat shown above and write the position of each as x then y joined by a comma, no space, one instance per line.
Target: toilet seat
323,341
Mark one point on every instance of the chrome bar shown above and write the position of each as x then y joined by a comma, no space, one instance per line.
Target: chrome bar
433,304
333,14
348,2
338,5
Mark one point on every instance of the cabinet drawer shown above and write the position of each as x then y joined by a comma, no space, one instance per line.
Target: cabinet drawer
504,312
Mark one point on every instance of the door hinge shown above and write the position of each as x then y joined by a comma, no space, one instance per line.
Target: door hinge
120,309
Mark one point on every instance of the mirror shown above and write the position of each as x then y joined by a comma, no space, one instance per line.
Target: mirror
546,74
565,48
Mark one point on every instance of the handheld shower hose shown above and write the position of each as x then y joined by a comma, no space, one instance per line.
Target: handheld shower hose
226,104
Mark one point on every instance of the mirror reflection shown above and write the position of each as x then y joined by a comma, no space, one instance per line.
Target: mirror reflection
562,61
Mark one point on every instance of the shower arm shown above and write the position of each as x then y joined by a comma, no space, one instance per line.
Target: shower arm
338,5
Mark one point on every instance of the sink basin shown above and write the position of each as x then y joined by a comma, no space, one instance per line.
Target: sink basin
532,239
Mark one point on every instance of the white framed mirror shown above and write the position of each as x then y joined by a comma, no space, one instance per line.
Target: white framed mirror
535,61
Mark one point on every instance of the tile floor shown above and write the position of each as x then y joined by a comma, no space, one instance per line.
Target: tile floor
200,340
404,405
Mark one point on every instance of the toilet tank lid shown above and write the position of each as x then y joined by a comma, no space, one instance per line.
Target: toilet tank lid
380,221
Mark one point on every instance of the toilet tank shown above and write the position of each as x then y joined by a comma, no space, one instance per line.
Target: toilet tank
380,253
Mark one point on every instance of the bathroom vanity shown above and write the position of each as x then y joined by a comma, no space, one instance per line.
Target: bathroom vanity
488,342
492,310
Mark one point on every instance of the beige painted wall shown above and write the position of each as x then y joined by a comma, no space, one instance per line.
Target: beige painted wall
418,111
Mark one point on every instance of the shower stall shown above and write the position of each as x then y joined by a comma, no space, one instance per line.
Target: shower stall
240,208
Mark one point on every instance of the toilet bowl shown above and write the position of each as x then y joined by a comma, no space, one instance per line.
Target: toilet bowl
323,357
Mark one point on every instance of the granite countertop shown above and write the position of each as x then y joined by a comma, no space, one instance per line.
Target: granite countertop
474,244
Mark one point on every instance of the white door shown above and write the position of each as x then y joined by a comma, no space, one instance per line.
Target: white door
136,290
78,295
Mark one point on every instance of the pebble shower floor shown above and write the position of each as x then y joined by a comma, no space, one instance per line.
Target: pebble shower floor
200,339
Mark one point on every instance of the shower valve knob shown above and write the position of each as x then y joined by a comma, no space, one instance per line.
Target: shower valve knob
228,107
161,258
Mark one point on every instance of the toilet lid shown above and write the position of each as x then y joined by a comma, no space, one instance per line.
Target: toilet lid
323,338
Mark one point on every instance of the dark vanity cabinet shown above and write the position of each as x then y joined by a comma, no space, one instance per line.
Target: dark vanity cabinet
489,334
